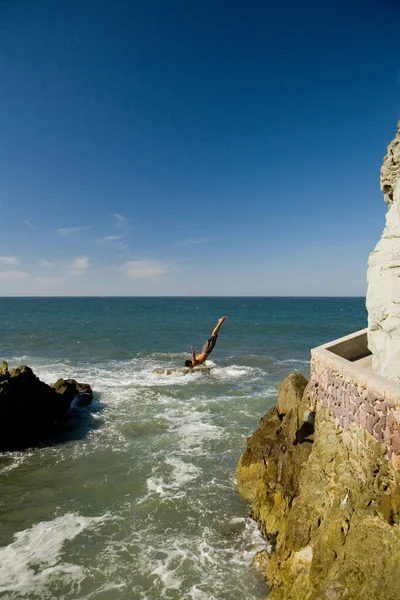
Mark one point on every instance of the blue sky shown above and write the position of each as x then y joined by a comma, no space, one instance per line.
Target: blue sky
193,148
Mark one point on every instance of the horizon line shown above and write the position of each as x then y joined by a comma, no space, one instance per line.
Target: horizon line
192,296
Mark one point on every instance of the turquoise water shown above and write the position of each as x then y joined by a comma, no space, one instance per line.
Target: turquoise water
135,498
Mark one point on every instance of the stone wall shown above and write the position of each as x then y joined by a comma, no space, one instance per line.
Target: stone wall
362,403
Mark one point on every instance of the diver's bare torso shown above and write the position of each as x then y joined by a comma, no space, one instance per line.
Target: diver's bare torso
199,359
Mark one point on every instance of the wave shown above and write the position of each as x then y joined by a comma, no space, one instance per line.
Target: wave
12,460
33,560
290,361
118,381
182,473
176,556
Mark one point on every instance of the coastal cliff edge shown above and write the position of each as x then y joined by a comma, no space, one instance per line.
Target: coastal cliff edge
328,505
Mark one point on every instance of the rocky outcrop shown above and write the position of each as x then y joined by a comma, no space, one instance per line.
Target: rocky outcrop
329,504
390,171
383,295
270,455
30,409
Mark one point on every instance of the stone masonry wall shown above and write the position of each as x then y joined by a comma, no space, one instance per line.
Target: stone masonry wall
357,408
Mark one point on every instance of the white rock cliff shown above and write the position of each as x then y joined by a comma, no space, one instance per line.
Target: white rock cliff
383,294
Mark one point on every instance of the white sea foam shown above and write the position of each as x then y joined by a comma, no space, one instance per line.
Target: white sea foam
290,361
196,594
120,376
252,538
194,428
182,473
204,559
32,560
166,572
141,373
233,372
108,587
12,460
271,390
172,424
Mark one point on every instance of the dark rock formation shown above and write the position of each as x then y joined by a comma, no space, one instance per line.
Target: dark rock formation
329,504
30,409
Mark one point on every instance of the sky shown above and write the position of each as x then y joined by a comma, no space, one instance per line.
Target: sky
185,148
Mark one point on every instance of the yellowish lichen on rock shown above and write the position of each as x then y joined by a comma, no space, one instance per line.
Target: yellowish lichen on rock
327,500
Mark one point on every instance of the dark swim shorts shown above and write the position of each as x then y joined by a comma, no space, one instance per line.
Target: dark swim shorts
209,345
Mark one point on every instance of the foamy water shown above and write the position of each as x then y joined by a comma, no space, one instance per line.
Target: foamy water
160,463
33,561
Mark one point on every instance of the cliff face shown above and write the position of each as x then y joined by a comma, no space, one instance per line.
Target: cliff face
383,295
327,501
390,171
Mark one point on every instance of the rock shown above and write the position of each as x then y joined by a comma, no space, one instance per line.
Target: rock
83,399
268,470
291,392
4,371
330,510
390,170
383,276
30,409
70,390
258,461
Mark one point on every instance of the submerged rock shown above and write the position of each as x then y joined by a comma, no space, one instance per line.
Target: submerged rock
30,409
329,505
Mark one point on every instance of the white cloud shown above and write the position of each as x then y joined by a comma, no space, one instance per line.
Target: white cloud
80,263
69,230
193,242
46,263
78,266
144,269
111,238
29,224
13,275
121,221
9,260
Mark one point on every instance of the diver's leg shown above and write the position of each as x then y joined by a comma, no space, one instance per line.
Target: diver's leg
218,326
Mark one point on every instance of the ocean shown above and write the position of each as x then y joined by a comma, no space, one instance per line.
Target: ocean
135,497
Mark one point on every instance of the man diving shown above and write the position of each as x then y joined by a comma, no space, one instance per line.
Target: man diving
198,359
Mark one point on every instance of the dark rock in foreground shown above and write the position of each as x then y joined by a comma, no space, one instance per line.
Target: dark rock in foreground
30,410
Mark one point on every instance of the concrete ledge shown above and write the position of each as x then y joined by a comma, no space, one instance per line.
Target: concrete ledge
359,399
352,347
347,355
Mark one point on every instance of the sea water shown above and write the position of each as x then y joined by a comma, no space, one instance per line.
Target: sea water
135,497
